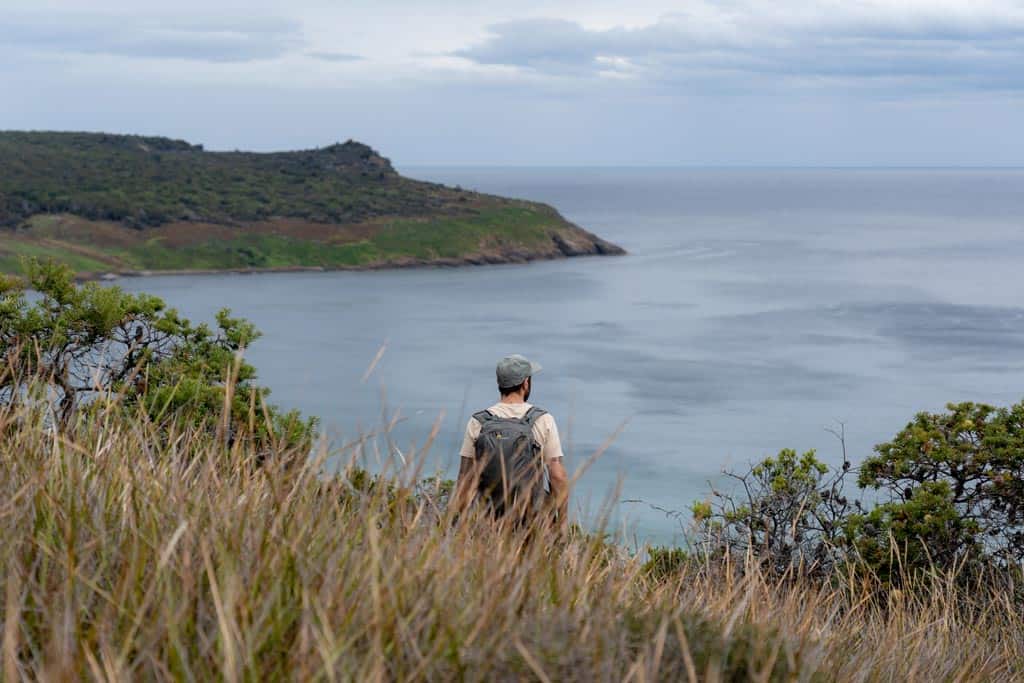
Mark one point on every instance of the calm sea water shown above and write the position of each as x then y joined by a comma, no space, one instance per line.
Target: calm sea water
756,309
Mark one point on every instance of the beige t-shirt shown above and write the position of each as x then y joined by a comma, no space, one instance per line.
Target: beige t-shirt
544,430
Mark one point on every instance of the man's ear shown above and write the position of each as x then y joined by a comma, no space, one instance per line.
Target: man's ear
527,385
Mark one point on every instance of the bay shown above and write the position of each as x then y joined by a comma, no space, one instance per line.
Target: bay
757,308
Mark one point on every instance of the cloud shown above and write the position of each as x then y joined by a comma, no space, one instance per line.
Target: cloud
340,57
898,45
860,82
237,40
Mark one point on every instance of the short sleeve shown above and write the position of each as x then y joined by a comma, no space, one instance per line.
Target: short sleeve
551,444
468,449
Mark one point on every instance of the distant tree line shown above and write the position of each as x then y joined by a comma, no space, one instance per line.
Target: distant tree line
149,181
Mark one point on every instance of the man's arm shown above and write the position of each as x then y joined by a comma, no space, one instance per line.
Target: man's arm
557,476
464,488
559,480
465,485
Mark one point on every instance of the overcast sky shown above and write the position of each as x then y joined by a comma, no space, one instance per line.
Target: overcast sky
559,82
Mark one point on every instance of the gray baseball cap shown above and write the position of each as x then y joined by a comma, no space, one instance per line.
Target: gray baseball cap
513,371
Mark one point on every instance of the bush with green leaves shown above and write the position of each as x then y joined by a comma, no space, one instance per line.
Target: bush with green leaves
948,493
785,513
85,341
953,486
664,562
898,540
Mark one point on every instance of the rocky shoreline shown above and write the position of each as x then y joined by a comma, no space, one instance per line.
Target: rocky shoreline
580,244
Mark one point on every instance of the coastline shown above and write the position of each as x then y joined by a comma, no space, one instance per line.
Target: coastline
104,250
600,248
174,208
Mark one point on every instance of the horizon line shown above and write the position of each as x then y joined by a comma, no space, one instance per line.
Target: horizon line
727,167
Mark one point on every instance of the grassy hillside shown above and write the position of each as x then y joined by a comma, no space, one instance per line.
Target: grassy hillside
114,203
133,552
160,521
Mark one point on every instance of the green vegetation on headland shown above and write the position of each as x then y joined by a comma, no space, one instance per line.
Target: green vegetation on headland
166,523
117,203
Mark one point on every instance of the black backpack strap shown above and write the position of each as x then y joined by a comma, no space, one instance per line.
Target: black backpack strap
484,416
532,415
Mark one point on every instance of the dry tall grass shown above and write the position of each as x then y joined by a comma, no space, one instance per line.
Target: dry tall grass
131,553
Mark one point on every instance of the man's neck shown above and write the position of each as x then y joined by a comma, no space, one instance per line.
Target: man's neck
513,399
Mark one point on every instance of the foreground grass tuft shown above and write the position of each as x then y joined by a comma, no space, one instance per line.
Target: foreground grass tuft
137,552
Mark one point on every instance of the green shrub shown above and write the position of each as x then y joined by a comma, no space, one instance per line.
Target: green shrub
665,563
92,341
924,533
786,512
954,482
949,495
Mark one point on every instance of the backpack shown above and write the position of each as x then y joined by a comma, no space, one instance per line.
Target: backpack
508,460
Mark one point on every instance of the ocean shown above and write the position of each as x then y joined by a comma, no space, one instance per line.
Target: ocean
757,310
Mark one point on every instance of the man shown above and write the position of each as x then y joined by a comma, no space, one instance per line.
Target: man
491,475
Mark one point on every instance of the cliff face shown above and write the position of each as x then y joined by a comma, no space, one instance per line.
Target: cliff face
124,203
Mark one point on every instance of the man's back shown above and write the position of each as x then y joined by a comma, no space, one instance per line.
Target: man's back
515,382
545,431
